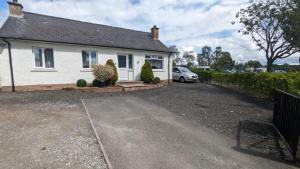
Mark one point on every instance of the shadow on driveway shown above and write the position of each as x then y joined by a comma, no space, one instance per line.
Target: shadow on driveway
260,139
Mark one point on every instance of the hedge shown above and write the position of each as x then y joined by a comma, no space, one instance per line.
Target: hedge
204,76
263,83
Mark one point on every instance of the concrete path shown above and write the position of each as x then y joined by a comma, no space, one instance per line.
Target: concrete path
137,134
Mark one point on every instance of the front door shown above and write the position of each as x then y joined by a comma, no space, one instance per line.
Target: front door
125,67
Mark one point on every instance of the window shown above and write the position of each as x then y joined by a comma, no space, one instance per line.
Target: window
38,57
49,60
121,61
43,58
89,58
176,70
155,61
130,61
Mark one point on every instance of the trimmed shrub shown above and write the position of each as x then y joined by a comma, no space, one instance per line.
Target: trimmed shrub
115,77
156,80
81,83
147,73
103,73
294,82
204,76
263,83
98,83
219,77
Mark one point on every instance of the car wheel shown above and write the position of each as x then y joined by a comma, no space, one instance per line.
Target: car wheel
181,80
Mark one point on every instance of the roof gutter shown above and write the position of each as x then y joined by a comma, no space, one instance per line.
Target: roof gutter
10,64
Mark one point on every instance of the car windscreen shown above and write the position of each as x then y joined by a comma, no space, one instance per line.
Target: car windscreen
185,70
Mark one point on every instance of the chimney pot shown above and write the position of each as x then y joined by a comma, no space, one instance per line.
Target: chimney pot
15,8
155,32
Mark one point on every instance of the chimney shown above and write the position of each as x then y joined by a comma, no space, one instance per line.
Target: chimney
15,8
155,32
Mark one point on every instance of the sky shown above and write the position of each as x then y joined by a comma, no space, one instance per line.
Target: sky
188,24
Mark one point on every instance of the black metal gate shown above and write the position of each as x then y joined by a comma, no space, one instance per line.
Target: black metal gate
286,118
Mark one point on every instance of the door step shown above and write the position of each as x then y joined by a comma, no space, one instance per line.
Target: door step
128,82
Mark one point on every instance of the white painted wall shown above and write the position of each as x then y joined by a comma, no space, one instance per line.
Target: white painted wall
67,61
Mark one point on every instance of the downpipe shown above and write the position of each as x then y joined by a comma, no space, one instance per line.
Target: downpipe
10,64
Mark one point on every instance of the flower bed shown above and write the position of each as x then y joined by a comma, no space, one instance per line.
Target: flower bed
112,89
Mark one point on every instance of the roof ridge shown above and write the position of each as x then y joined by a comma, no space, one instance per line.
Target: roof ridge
73,20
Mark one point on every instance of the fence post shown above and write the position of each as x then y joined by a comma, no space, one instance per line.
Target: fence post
298,150
286,118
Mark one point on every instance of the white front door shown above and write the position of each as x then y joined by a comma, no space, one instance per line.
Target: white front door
125,67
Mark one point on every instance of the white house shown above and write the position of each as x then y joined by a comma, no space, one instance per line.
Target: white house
42,51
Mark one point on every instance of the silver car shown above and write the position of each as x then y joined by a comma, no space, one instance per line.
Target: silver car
184,75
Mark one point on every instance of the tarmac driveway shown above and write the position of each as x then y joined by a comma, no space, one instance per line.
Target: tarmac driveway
139,134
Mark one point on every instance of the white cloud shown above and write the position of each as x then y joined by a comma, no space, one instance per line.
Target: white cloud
3,16
189,24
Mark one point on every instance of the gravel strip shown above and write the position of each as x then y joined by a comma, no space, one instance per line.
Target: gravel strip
44,130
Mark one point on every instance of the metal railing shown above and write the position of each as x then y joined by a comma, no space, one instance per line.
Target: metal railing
286,118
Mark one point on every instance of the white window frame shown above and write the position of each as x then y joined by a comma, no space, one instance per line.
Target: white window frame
43,58
132,62
90,59
156,57
127,61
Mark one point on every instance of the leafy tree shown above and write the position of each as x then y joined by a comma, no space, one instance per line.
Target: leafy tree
218,52
290,21
261,22
200,59
205,58
253,64
224,63
174,63
190,65
240,67
189,58
207,55
176,54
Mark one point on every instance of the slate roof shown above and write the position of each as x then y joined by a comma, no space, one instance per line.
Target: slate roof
53,29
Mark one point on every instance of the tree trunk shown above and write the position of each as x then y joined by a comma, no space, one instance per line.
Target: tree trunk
269,65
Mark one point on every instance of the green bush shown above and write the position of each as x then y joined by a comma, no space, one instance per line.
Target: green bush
263,83
81,83
294,82
115,77
156,80
219,77
204,76
147,73
98,83
103,73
